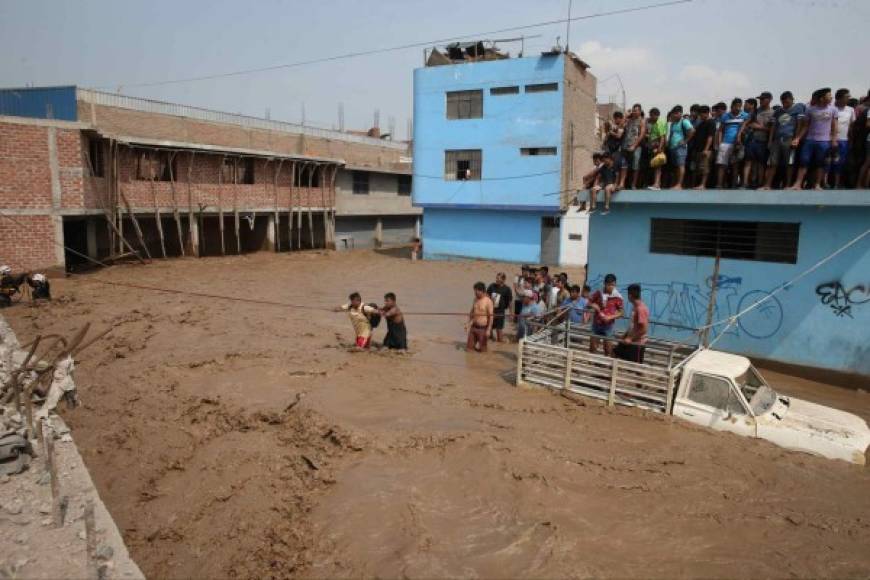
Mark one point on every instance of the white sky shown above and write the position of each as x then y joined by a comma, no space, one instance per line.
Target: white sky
705,51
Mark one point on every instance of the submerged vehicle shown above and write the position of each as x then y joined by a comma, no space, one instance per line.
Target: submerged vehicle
711,388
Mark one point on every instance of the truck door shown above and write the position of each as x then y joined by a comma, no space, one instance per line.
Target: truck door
713,402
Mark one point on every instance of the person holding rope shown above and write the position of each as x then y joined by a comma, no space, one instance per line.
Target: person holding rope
480,319
397,334
608,307
362,318
631,346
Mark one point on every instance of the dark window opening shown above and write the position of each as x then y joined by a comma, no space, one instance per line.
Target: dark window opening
757,241
404,185
462,165
542,87
95,155
550,221
361,182
242,169
538,151
156,166
504,90
465,104
300,179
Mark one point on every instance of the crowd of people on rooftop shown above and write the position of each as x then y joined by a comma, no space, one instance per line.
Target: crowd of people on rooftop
751,144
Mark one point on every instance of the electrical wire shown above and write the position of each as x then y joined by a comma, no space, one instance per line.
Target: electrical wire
371,52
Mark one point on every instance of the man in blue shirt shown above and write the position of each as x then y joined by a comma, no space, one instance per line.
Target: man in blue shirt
729,127
576,305
784,141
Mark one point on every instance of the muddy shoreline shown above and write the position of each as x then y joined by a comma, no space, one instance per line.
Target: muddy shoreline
244,440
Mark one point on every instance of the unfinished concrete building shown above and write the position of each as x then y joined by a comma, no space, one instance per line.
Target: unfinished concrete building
107,175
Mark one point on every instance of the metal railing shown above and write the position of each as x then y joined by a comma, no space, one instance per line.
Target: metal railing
164,108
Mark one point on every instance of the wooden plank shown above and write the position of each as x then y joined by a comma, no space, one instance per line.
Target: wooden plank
175,212
613,382
669,401
136,227
569,363
156,207
520,348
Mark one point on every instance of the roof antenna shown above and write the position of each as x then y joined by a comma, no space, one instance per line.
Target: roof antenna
568,26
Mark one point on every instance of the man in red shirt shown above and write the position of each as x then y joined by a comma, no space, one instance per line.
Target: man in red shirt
608,307
631,347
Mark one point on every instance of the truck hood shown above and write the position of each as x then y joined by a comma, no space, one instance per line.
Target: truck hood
806,426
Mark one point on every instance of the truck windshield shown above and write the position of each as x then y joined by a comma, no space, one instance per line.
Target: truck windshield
761,397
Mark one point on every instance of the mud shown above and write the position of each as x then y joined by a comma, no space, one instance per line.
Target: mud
245,440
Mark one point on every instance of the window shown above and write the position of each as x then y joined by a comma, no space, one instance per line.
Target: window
550,221
758,241
155,165
95,155
542,88
361,182
538,151
504,90
715,392
303,174
462,165
465,104
242,168
404,185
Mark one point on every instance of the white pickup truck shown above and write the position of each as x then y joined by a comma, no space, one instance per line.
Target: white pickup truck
707,387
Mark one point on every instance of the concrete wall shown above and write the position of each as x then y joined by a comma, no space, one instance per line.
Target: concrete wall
579,138
383,197
820,321
574,238
509,123
511,236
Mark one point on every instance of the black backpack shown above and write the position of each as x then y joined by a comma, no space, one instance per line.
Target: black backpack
374,317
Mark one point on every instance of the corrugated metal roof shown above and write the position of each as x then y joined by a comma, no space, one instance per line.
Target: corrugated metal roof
40,102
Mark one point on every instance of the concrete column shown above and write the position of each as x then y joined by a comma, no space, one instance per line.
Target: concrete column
270,233
91,230
417,229
56,191
194,238
379,233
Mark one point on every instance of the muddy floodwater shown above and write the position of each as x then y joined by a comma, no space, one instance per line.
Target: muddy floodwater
234,439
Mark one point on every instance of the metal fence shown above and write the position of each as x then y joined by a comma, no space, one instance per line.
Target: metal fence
164,108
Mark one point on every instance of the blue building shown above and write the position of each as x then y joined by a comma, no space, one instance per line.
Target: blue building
498,145
667,242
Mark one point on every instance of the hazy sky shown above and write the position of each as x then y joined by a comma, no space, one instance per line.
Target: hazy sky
705,51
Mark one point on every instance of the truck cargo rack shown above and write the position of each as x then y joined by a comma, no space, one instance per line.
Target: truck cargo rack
556,355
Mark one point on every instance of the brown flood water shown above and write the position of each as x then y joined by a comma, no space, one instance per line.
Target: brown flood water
428,464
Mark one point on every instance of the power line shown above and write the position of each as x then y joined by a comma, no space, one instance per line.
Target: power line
399,47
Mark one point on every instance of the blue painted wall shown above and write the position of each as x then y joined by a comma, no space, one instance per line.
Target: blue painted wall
508,236
40,103
823,320
509,122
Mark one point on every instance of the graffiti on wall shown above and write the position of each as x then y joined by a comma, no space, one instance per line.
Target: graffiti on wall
841,299
685,305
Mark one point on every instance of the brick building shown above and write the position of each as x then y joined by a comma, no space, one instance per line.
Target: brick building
106,174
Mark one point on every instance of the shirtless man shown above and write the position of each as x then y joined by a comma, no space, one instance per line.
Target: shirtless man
479,319
397,334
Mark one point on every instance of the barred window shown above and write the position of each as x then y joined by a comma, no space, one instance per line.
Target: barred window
465,104
757,241
542,87
538,151
462,165
504,90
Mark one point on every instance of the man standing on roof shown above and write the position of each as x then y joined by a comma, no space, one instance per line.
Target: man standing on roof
608,306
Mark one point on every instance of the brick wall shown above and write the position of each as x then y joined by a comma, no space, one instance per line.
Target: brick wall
207,187
25,177
27,243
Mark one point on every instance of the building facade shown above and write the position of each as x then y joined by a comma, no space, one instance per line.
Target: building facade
105,175
500,147
667,241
